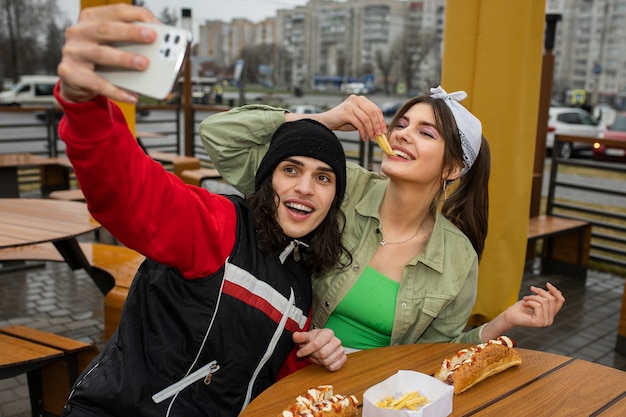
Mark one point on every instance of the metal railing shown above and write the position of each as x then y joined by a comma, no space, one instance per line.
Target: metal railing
597,202
42,138
356,150
169,126
39,138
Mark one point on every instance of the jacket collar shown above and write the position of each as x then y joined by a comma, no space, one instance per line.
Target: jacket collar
433,254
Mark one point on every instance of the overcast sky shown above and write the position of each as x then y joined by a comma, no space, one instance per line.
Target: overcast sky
201,10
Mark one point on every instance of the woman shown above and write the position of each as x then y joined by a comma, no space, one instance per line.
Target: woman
415,269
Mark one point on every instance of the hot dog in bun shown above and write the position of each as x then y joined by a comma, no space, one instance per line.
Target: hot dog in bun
470,366
321,401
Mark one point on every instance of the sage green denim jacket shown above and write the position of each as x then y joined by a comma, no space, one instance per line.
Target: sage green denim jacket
438,287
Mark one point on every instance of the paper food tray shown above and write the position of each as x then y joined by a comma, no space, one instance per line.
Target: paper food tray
439,395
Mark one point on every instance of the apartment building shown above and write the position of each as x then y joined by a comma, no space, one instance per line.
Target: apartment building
325,40
590,50
332,40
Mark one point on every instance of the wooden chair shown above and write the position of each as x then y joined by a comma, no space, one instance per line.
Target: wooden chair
52,363
119,262
196,176
566,244
179,162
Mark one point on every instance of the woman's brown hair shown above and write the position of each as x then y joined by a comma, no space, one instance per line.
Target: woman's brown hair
467,206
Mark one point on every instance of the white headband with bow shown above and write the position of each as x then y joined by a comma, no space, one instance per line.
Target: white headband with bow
470,128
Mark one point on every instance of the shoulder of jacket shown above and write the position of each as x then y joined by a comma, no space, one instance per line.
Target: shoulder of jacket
454,235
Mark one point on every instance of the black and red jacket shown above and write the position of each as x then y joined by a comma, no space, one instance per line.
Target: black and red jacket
205,296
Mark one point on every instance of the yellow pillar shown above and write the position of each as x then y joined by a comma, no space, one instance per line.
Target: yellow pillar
127,109
493,50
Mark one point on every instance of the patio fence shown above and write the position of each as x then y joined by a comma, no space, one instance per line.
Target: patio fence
600,200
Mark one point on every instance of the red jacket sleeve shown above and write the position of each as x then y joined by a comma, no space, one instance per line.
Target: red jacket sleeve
292,364
132,196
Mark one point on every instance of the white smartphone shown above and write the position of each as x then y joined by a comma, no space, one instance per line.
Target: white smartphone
166,54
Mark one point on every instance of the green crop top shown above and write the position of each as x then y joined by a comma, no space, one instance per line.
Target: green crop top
364,318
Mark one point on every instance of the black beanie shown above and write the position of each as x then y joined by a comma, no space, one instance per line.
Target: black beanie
309,138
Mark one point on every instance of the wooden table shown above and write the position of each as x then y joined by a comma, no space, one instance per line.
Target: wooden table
9,165
25,221
544,384
22,356
54,172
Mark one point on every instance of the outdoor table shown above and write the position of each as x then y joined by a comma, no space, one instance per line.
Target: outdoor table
27,221
21,356
545,384
54,172
9,165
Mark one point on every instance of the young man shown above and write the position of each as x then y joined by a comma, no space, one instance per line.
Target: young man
214,311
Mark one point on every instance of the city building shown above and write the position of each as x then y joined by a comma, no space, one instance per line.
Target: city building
590,52
397,45
393,44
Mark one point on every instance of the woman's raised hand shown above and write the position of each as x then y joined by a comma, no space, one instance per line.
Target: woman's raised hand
354,113
534,310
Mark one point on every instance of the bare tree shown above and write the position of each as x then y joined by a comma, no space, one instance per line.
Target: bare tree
11,12
415,47
282,66
25,30
51,54
256,56
385,62
253,56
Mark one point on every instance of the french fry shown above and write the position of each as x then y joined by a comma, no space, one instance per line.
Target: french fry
410,400
384,144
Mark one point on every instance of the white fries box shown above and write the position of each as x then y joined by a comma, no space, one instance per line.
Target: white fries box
439,395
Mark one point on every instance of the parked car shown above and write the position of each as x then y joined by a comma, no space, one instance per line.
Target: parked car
35,90
571,121
305,109
617,131
390,108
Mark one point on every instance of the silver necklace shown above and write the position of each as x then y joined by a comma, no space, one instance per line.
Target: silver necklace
383,242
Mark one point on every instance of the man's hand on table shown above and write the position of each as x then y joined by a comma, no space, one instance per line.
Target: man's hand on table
322,347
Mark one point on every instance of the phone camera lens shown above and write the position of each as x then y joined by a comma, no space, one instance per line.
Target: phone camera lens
167,53
176,39
167,37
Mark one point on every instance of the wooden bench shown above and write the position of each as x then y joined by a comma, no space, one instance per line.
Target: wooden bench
566,244
196,176
119,262
52,364
179,162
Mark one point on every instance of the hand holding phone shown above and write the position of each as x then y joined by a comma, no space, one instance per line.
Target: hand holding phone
166,54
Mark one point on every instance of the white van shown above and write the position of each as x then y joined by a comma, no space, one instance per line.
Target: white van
33,90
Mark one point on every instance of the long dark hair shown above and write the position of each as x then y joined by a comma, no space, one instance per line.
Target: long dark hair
325,244
467,206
